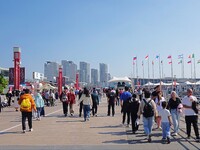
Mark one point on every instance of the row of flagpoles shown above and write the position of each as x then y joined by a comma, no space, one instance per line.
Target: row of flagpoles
191,60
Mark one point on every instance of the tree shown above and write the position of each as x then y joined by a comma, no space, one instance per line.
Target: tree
3,83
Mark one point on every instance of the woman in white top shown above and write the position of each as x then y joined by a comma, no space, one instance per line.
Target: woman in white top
158,102
87,101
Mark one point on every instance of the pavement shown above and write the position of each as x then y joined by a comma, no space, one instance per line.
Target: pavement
56,132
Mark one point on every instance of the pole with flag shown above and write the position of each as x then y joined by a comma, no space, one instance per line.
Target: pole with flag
180,57
134,69
153,70
190,62
158,57
193,56
147,58
170,57
143,71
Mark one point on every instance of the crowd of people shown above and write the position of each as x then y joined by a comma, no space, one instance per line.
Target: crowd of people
151,105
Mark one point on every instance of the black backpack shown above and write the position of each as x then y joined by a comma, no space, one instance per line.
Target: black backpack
148,109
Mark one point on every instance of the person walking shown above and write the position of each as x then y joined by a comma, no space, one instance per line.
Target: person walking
39,104
173,106
26,103
81,103
111,102
134,107
95,102
125,98
191,114
64,100
148,109
71,101
87,101
166,122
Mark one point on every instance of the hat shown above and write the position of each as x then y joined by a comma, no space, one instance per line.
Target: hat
65,88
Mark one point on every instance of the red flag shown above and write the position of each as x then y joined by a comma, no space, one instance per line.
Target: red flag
134,58
189,62
147,57
169,57
152,63
170,62
189,56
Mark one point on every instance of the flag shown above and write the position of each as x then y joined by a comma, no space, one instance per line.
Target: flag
180,56
134,58
180,62
157,56
169,57
142,63
192,55
198,62
161,61
189,62
170,62
146,57
189,56
152,63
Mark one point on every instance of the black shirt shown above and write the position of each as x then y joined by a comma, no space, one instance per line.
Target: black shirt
174,104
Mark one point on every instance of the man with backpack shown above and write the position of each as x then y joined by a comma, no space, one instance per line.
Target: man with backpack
65,100
26,103
111,102
148,109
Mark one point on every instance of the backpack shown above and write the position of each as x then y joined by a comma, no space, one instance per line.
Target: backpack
25,104
148,109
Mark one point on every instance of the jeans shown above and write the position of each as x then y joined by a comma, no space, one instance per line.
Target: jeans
65,108
24,116
94,108
148,125
165,129
176,119
39,109
111,105
86,110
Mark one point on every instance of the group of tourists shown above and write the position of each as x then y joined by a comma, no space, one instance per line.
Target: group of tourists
155,108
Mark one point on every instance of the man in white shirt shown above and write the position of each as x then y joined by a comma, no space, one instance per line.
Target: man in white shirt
190,116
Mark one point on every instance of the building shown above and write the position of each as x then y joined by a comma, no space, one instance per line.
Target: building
94,77
103,70
85,72
69,70
4,72
51,70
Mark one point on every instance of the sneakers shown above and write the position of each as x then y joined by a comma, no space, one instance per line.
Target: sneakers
197,140
30,130
168,140
149,138
175,134
24,131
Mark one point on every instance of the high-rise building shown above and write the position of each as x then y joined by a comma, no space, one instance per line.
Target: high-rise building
103,71
51,70
94,76
69,69
84,72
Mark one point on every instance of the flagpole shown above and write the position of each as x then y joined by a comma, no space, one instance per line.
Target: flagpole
137,69
148,71
133,72
143,71
153,71
191,68
172,72
162,77
194,71
183,68
159,69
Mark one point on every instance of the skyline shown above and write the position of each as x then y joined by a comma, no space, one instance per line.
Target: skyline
111,31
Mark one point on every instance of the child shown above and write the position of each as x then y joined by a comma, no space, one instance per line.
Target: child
166,122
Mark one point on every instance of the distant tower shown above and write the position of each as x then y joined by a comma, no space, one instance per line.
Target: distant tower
17,60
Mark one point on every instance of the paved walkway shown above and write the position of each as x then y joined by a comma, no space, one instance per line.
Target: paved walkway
58,132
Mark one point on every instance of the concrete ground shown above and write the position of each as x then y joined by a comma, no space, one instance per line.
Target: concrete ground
56,132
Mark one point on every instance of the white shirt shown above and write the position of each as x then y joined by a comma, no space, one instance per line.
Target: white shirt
188,102
159,106
164,113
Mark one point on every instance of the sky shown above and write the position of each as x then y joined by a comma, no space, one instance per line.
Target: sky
101,31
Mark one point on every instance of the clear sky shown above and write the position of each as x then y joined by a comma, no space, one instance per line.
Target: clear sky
100,31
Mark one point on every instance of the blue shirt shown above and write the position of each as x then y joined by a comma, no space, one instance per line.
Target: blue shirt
125,96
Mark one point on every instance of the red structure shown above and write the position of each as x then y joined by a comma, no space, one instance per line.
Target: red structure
60,78
77,81
17,61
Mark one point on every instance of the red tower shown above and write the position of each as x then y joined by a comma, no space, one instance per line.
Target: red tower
17,61
60,80
77,81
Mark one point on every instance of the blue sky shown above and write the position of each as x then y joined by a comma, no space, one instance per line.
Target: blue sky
100,31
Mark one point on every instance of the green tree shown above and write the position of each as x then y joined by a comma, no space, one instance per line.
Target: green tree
3,83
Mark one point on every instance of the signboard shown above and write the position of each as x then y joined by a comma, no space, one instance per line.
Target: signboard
11,76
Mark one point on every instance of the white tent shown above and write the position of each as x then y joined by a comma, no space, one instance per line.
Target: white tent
48,87
149,84
115,79
188,83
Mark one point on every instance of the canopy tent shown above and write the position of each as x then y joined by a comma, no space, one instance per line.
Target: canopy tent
48,87
188,83
121,79
149,84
